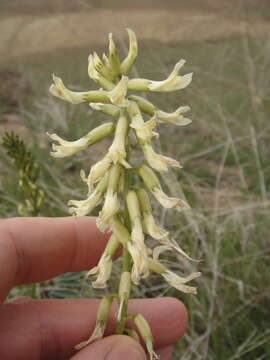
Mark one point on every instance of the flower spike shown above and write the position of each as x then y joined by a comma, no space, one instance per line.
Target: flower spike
118,184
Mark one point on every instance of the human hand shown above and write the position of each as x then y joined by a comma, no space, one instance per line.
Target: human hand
37,249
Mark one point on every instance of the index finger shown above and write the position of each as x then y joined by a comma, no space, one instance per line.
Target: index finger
37,249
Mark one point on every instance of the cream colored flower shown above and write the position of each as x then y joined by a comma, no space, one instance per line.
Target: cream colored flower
59,90
175,117
97,171
118,93
117,151
178,282
102,271
152,229
151,181
110,207
144,130
157,161
111,203
173,82
169,245
132,53
84,207
138,253
68,148
149,225
169,202
137,235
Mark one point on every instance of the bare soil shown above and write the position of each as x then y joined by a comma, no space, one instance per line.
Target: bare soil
24,34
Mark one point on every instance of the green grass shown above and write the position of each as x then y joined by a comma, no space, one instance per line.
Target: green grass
226,177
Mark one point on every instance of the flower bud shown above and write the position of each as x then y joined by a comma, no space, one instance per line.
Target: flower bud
101,322
127,63
96,76
113,57
68,148
103,68
146,334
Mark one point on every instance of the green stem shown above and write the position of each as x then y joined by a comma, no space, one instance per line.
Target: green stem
126,267
127,261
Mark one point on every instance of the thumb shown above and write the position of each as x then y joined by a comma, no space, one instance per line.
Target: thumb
113,347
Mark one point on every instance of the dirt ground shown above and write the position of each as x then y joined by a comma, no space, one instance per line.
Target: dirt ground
26,31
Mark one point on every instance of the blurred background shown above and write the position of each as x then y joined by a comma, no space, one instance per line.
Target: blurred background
225,151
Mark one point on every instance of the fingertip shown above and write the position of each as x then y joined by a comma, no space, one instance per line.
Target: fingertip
181,315
167,317
180,320
113,347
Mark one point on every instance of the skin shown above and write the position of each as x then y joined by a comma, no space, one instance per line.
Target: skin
37,249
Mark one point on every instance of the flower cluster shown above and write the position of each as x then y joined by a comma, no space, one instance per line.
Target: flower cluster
123,189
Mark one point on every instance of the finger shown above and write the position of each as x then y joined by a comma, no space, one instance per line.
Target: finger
53,327
36,249
115,347
165,353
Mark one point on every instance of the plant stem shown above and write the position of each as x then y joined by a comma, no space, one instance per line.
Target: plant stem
125,281
126,267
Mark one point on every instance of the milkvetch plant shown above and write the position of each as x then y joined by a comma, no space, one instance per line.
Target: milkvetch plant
122,188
